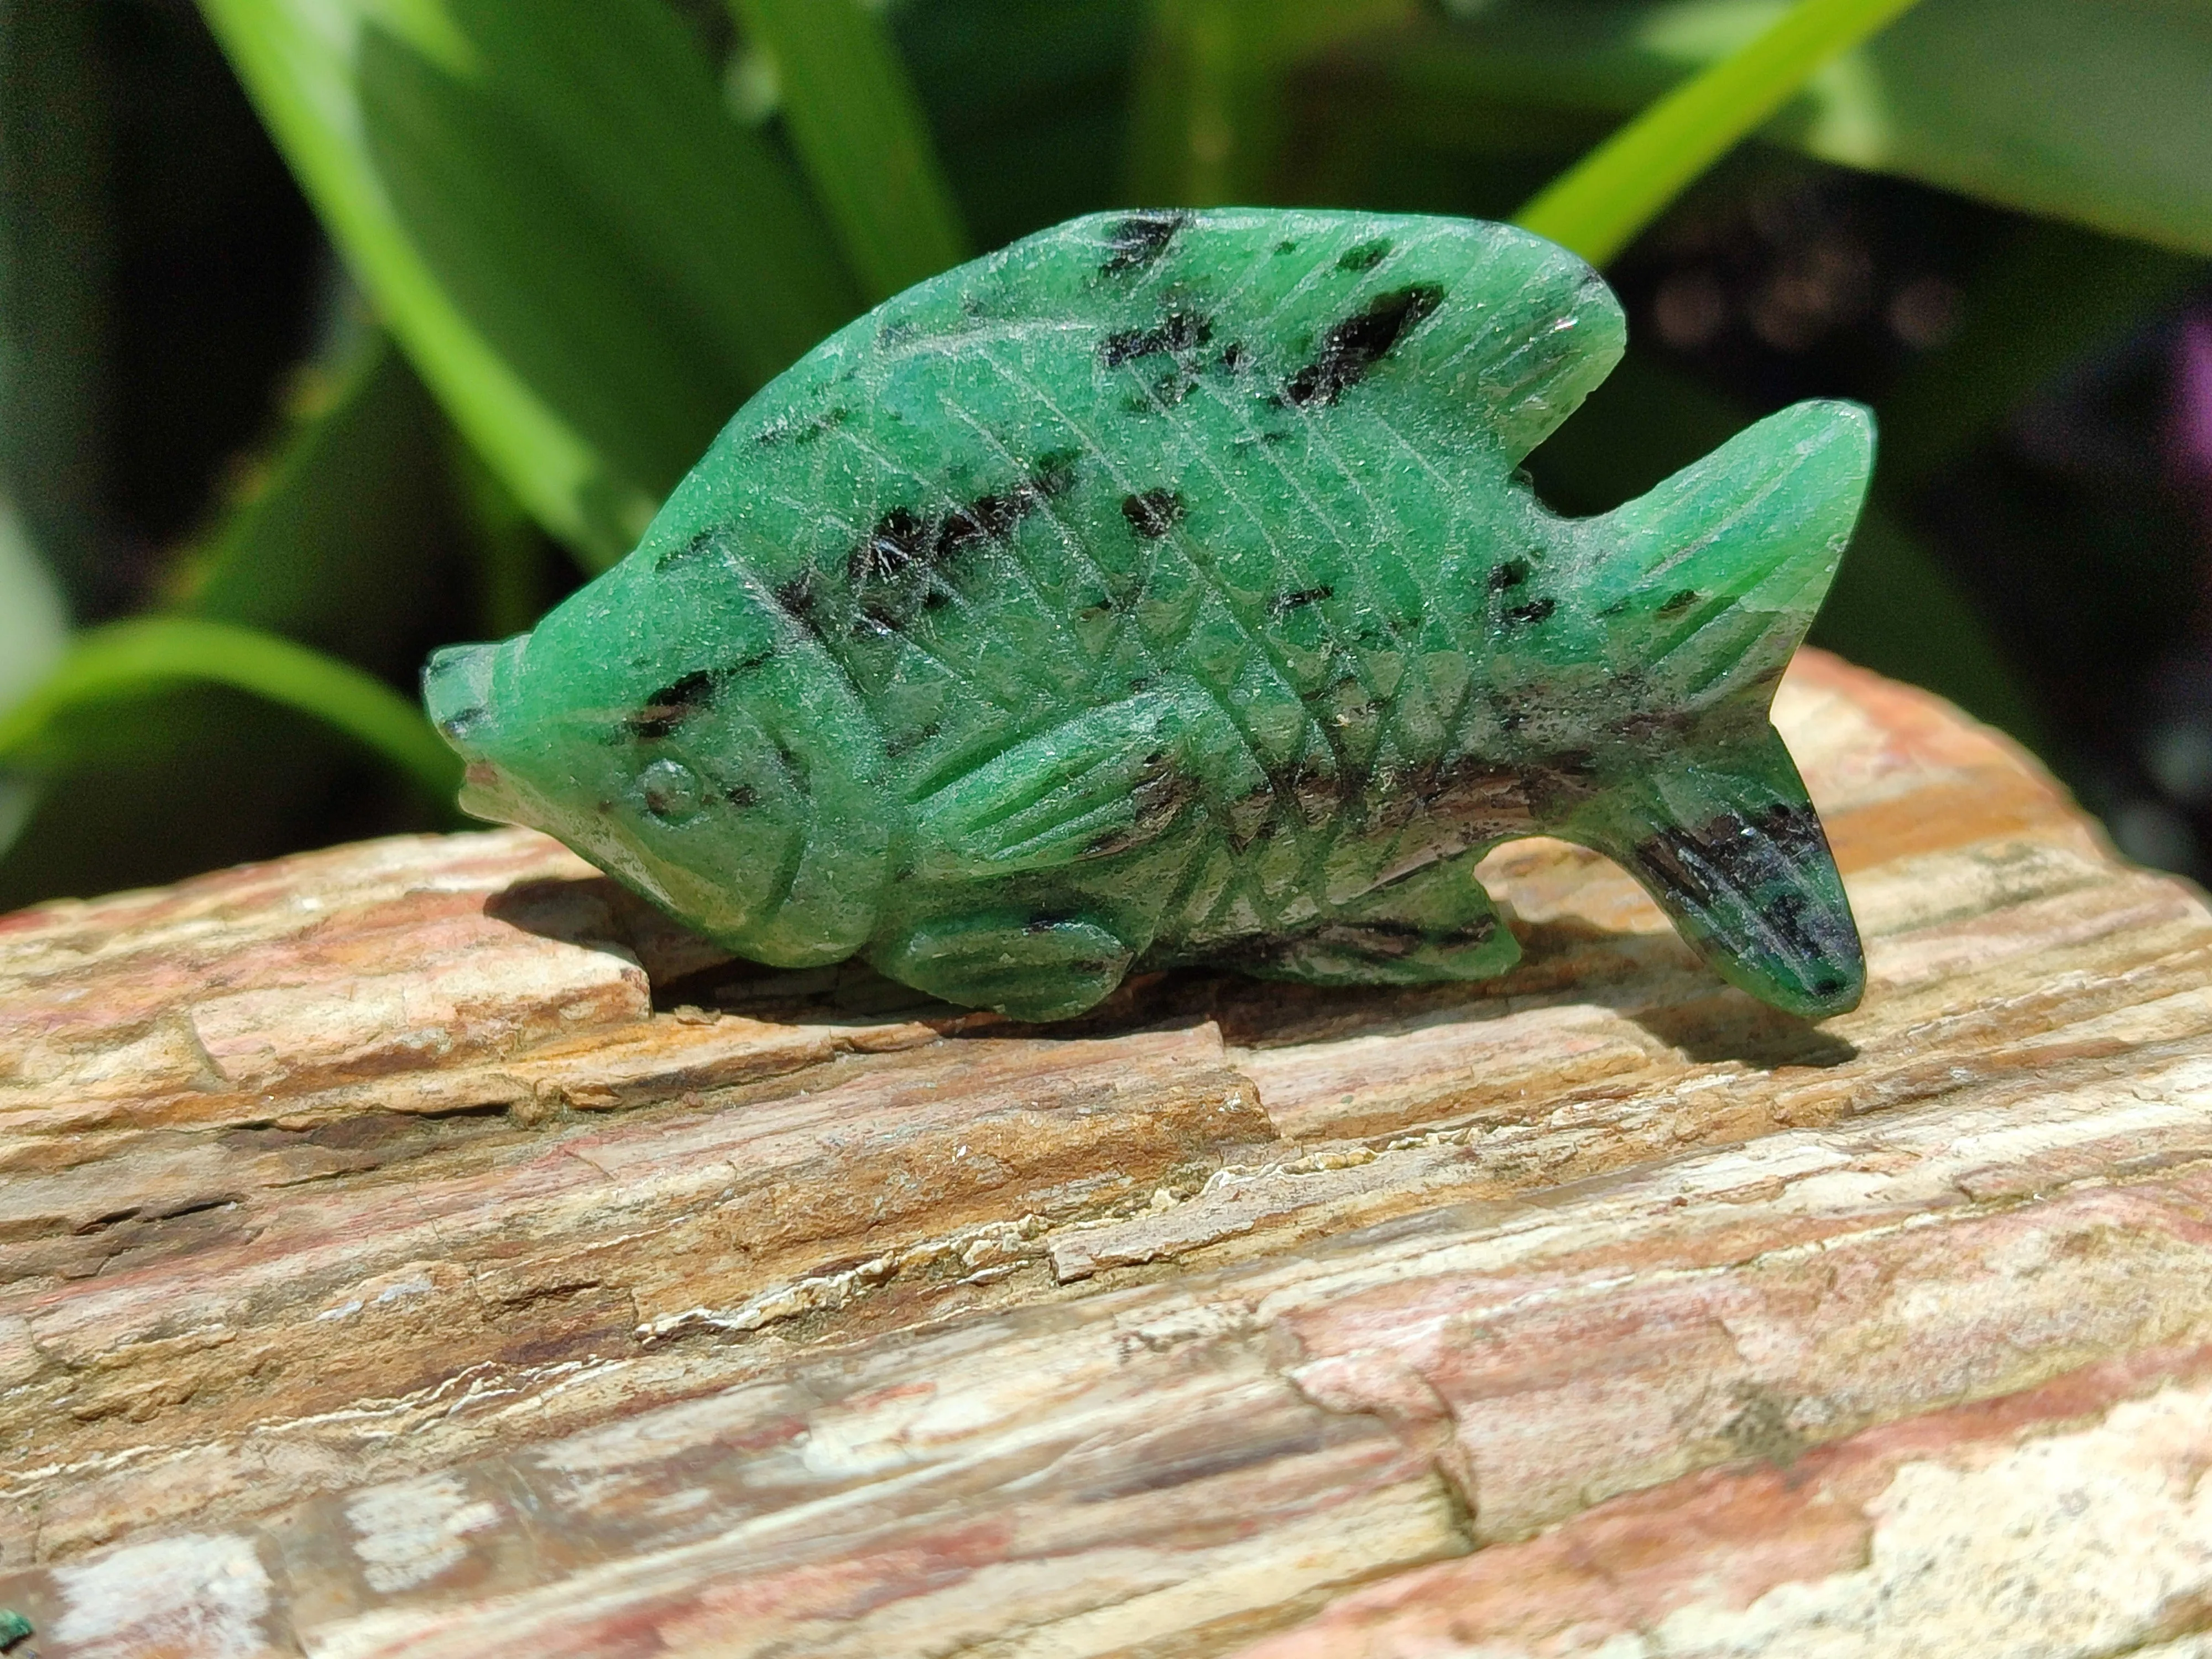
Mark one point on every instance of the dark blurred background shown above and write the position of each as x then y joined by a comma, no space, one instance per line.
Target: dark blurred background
202,413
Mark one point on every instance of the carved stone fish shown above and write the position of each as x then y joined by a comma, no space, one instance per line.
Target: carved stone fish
1161,589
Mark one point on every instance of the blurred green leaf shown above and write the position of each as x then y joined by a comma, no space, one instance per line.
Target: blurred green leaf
345,537
326,542
1209,112
1599,205
33,621
591,263
1029,102
34,636
120,658
2088,110
2046,301
510,549
56,254
860,132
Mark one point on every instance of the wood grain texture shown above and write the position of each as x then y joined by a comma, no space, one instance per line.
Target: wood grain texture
418,1248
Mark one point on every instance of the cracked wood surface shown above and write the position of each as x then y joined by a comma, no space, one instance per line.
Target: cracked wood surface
419,1249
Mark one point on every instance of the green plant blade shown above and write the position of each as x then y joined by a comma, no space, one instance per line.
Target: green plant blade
1208,115
34,636
342,536
333,540
511,550
589,260
57,270
124,657
1599,204
2082,110
860,132
1028,102
34,621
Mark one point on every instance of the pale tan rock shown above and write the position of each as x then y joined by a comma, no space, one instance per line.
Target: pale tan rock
419,1248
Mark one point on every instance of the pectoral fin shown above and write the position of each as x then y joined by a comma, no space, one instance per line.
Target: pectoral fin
1110,780
1729,845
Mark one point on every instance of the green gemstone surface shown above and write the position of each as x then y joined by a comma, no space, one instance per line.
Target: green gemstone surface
1162,590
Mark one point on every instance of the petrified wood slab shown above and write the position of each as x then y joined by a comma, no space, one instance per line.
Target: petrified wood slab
415,1248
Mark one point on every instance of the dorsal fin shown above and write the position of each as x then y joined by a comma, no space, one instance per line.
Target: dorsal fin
1475,313
1507,329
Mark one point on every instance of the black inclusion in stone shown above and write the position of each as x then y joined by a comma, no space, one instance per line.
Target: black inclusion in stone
1286,603
1662,857
1138,241
794,772
702,543
1785,913
985,519
1680,601
1512,574
1055,471
899,540
1365,257
455,724
991,516
905,743
903,543
1744,855
1534,611
1794,829
674,703
1352,347
1176,332
790,429
800,599
1153,513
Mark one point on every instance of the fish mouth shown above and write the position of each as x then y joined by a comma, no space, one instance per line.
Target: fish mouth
458,692
461,687
487,794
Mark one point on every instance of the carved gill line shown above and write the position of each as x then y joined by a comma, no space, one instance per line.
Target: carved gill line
1300,575
1124,624
1315,842
1256,638
1351,810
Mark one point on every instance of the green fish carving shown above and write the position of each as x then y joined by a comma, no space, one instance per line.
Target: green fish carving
1162,589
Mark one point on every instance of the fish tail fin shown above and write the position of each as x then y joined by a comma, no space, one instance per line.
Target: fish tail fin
1711,578
1725,839
1708,582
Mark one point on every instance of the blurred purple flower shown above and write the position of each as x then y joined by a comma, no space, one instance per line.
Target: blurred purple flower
2192,412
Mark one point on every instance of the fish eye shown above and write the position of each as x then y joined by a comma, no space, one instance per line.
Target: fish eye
670,791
